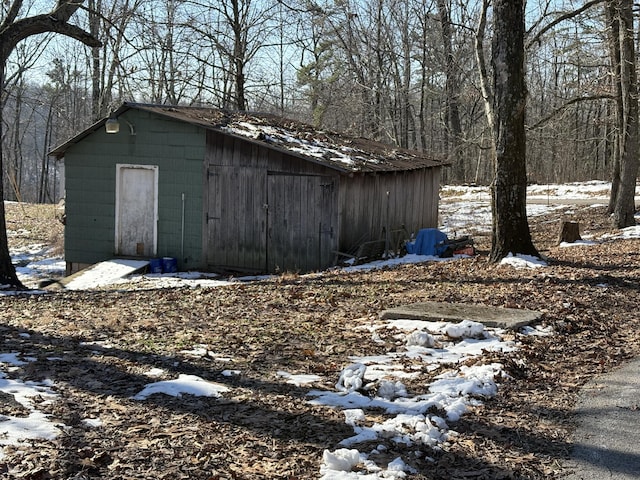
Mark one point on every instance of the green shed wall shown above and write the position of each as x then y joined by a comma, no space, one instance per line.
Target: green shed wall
177,148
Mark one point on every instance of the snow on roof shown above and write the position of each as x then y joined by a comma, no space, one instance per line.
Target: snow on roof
336,150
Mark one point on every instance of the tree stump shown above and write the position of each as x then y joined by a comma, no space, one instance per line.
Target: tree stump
569,232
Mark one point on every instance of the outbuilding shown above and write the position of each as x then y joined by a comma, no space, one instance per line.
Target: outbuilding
234,192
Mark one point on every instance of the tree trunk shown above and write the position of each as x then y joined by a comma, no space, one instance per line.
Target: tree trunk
624,211
12,31
569,232
485,89
96,86
44,172
510,226
8,276
239,55
613,37
453,130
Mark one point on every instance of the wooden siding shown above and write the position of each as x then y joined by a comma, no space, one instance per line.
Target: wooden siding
269,211
301,218
90,169
367,209
266,210
236,218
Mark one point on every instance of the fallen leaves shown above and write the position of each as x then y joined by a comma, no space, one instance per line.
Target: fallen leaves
264,428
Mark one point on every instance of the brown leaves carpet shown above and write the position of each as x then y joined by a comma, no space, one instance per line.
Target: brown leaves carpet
264,428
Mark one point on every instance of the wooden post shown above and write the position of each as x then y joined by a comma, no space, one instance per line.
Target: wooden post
569,232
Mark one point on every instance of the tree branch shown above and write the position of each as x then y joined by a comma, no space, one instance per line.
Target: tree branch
65,8
561,19
12,14
56,22
485,88
562,108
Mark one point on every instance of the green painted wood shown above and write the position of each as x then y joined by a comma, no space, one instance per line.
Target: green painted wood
90,168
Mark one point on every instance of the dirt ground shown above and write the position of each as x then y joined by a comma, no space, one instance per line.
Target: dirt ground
264,428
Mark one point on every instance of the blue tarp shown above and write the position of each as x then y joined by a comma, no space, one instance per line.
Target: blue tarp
429,241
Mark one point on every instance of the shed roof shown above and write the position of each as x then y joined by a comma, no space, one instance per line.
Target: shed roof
335,150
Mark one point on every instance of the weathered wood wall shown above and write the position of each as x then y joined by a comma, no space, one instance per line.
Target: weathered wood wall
373,202
267,210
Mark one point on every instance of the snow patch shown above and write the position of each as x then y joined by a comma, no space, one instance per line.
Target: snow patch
184,384
523,261
299,380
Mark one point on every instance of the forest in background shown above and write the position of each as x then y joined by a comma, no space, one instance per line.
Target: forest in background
406,72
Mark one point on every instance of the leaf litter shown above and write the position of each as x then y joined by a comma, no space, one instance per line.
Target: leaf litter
264,342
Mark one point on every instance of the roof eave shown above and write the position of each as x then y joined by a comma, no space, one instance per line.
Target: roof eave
60,150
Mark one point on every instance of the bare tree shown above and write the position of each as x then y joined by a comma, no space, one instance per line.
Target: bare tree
163,67
237,30
569,94
613,35
14,29
19,118
108,62
620,14
316,73
453,130
14,158
510,225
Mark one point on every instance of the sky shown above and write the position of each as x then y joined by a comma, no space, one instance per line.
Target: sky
454,351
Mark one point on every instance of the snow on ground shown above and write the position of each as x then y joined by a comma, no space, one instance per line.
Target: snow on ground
189,384
373,384
579,190
369,384
15,430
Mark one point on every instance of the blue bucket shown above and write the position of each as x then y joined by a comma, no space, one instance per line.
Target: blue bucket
155,265
169,265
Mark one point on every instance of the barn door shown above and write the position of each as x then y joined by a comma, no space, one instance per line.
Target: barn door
236,218
136,210
300,233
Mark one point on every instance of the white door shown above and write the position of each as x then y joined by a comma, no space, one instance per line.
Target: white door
136,210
